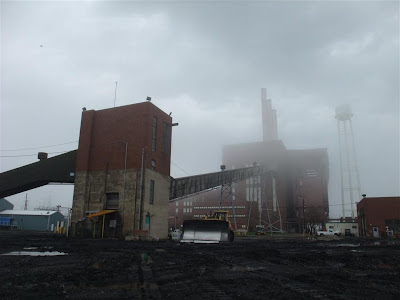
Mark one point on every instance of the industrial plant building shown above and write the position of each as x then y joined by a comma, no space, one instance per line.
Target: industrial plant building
123,188
290,194
122,174
33,220
379,216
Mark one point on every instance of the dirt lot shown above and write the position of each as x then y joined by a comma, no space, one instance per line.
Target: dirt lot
249,268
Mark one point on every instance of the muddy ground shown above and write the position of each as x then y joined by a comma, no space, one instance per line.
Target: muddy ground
249,268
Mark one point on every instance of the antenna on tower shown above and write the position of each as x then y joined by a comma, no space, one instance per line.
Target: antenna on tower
350,188
115,93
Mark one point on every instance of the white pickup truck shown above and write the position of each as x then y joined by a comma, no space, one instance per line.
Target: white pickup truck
328,232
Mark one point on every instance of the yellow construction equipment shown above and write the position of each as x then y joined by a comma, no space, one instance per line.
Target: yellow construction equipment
212,229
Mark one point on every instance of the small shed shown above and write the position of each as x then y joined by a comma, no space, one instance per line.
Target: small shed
379,216
41,220
344,226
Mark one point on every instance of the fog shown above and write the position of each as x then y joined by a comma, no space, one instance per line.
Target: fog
206,63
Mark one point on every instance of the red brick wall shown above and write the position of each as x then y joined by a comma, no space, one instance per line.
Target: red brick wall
313,187
104,134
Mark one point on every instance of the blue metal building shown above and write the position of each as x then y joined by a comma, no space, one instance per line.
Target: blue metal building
41,220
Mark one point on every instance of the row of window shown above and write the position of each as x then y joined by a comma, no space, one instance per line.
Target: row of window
230,216
166,137
216,207
185,203
353,227
185,210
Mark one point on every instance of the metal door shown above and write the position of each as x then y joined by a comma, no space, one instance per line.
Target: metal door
376,231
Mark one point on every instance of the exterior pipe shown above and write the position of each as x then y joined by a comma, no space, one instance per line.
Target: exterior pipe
141,192
102,230
124,185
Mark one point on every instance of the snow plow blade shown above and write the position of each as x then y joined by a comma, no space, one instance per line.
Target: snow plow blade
206,231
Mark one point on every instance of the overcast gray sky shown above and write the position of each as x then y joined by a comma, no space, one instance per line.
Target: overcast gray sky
206,63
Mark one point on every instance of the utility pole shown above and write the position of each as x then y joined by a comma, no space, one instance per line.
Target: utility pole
26,202
303,218
222,188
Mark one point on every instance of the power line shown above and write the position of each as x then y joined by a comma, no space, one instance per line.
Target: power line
180,168
33,154
40,147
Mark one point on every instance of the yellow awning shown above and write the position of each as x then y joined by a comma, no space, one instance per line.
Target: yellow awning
100,213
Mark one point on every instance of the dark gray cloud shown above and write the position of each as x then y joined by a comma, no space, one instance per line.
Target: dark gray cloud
206,62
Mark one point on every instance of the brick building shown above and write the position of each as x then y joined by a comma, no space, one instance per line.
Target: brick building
277,198
122,172
308,171
378,215
296,178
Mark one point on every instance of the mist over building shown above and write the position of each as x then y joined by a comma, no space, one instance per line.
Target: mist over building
295,186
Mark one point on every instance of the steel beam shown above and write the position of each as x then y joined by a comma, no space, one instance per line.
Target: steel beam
185,186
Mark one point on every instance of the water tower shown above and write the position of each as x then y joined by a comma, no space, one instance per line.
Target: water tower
349,176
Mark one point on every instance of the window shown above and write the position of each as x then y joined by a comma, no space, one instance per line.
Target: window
154,137
112,200
330,227
176,211
151,191
176,203
153,165
354,227
166,137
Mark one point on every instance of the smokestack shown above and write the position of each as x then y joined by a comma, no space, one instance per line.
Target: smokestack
274,125
269,121
263,94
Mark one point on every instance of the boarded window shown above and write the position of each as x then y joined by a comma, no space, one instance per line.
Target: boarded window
166,138
151,191
154,136
112,200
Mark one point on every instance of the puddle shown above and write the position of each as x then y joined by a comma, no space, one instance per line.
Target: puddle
36,253
340,245
381,243
247,268
35,248
348,245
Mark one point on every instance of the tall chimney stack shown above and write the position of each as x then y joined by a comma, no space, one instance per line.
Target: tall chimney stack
269,121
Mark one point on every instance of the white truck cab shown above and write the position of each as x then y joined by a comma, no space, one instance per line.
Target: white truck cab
328,232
